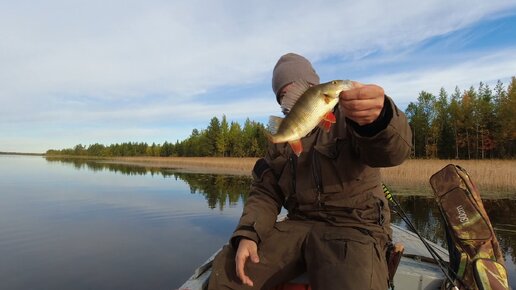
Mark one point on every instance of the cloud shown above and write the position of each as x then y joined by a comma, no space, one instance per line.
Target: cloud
116,62
487,68
121,50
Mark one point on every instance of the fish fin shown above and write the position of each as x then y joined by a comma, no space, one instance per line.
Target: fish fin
296,146
325,125
295,91
327,121
274,124
330,117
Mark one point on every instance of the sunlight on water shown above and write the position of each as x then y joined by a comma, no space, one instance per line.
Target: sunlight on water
67,224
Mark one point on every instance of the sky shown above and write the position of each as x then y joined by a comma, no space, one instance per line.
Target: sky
85,72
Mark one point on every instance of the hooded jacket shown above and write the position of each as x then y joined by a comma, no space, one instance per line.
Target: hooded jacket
336,179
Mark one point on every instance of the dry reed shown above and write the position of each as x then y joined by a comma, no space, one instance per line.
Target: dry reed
225,165
495,178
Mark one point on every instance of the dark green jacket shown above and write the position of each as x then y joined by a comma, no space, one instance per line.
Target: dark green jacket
335,179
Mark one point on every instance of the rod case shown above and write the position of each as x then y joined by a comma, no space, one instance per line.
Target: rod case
476,261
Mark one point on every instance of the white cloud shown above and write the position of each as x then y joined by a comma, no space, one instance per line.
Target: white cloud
126,49
106,62
406,86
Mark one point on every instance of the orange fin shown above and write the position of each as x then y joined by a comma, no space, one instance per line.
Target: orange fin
325,125
330,117
296,146
327,121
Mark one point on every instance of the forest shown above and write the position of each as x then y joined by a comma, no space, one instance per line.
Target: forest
220,138
470,124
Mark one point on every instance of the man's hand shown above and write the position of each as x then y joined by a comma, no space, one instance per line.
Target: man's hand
362,104
246,249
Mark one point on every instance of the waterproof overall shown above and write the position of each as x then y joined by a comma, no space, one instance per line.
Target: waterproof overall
338,224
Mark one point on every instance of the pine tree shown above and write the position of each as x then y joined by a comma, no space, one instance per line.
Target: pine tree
454,109
466,116
507,113
235,141
222,139
442,122
420,116
213,133
485,114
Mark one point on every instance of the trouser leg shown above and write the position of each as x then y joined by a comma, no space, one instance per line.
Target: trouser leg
280,255
345,258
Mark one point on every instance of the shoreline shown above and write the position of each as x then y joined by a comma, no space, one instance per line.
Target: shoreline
241,166
493,177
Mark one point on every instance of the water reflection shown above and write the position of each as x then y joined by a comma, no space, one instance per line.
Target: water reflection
217,189
426,217
220,191
98,166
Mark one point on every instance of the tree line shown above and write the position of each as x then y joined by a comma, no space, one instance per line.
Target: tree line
220,138
470,124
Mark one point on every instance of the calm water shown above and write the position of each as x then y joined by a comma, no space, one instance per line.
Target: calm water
76,225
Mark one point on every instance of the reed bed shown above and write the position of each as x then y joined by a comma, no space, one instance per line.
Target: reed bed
224,165
494,178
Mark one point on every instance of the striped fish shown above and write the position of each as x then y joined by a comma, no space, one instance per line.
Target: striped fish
310,106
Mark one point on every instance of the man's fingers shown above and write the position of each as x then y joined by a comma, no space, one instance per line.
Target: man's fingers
361,105
253,254
247,249
361,114
240,263
361,91
254,258
351,93
357,85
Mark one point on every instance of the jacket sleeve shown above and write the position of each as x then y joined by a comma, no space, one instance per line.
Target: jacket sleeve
263,204
387,141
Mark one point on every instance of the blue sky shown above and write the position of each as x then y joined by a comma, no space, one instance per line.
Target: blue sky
83,72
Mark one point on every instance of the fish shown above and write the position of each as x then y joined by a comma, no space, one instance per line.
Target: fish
306,107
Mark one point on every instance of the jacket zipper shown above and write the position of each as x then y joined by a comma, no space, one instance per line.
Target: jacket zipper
293,166
381,218
316,172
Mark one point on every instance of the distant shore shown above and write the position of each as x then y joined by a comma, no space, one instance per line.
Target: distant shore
495,178
21,153
215,165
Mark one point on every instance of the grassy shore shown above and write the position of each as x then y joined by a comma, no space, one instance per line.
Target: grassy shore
218,165
493,177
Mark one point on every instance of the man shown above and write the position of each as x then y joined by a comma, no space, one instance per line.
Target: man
338,225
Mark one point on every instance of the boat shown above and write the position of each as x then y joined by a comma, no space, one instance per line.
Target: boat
417,269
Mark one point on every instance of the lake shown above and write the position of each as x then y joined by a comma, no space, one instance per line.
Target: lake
68,224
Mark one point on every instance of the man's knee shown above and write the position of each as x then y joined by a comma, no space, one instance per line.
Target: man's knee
341,258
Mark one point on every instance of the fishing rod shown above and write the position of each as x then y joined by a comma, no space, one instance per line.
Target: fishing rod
439,260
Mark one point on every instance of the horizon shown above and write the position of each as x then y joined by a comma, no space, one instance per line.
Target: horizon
119,72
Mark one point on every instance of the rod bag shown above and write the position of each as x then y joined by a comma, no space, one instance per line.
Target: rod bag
476,261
